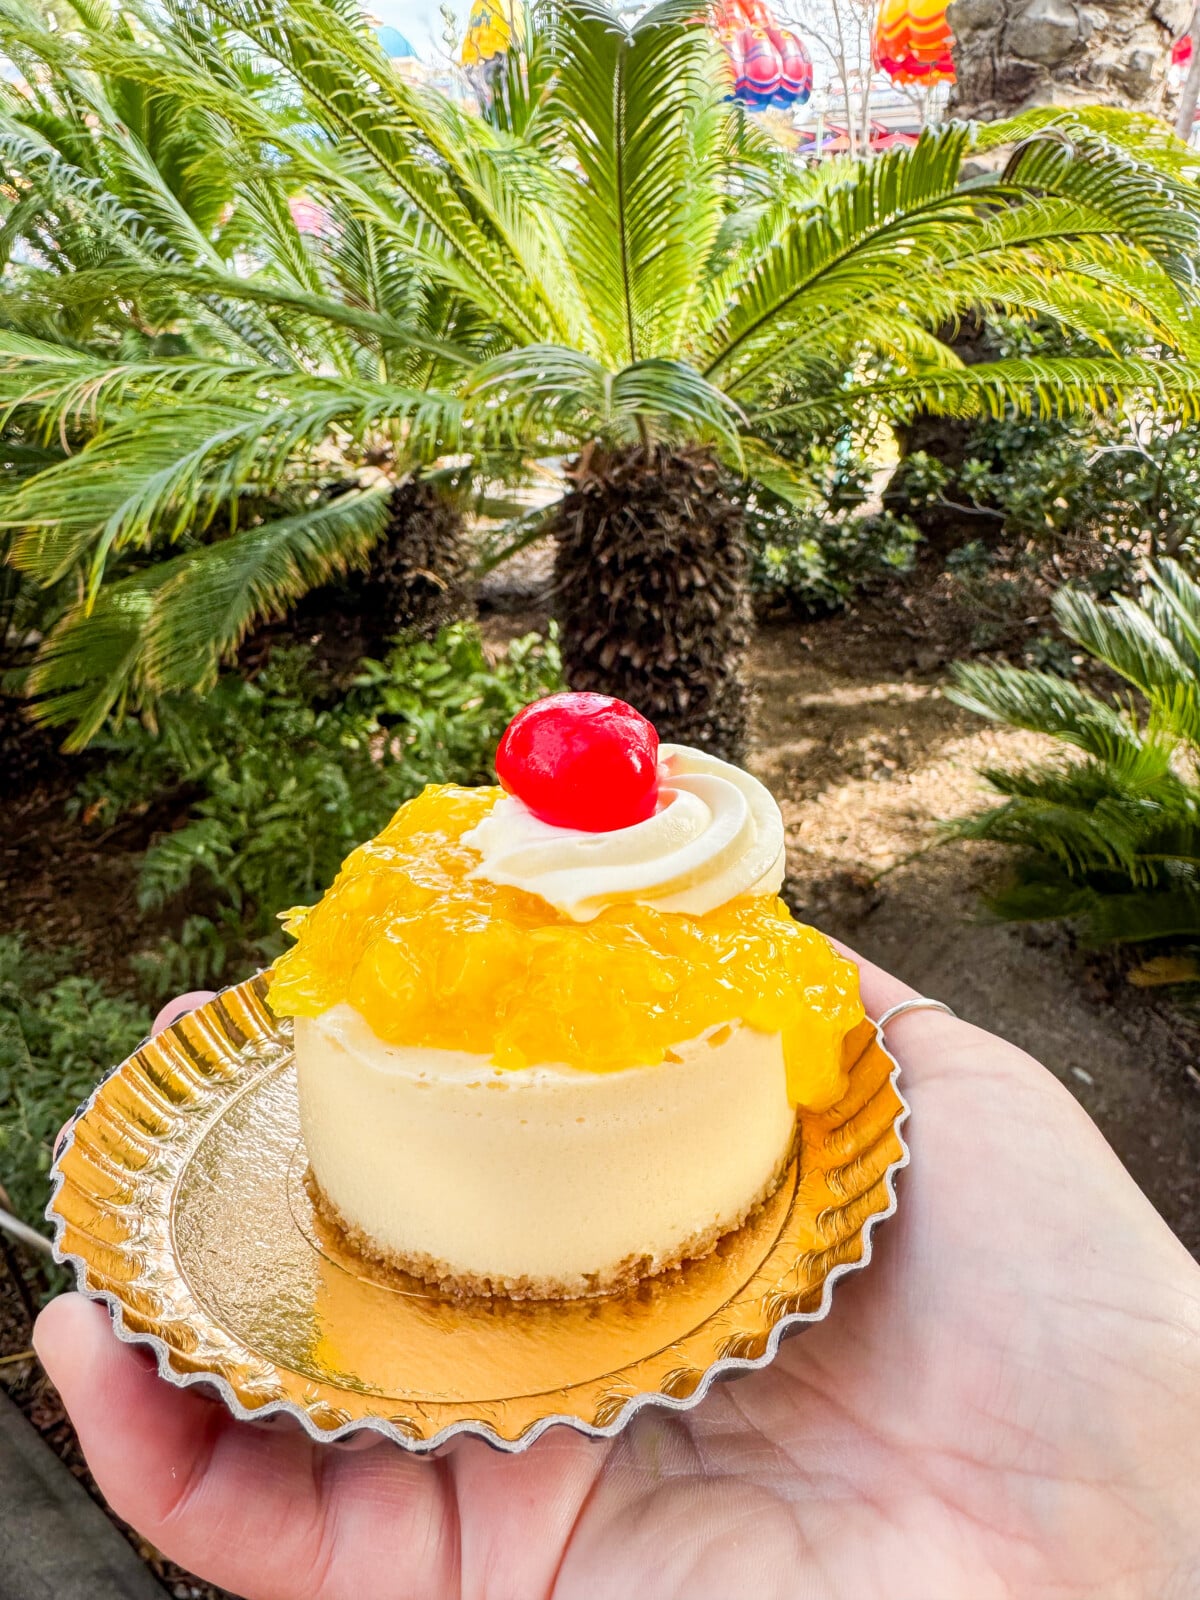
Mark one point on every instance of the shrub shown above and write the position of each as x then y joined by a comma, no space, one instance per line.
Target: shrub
1013,504
59,1033
1109,838
813,559
276,786
1105,489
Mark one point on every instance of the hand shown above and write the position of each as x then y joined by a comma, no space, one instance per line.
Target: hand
1006,1404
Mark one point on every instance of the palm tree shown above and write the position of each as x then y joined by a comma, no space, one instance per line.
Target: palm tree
71,198
100,178
111,181
613,269
1109,839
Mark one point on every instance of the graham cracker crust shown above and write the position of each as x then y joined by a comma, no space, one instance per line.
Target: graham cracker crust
450,1280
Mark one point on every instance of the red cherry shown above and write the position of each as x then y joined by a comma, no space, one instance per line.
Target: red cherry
582,761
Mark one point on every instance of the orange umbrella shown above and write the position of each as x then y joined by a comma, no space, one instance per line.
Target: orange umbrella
913,41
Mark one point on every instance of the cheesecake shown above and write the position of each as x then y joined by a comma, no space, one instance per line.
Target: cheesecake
539,1059
543,1180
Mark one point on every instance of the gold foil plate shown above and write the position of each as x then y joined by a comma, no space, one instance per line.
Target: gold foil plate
179,1200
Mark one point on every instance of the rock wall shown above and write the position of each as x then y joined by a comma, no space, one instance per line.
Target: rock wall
1013,54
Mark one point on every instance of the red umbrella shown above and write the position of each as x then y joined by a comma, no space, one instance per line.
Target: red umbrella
891,138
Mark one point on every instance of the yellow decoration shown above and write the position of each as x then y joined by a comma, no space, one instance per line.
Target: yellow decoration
913,41
432,957
490,30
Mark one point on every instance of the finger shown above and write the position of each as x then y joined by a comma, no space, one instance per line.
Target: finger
880,991
268,1515
523,1509
179,1007
926,1041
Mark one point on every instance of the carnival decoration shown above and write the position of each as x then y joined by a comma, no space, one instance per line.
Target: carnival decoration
913,41
770,65
490,30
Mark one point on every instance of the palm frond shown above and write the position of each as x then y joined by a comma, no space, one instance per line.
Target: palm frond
886,214
1042,702
157,477
1078,840
1021,386
1125,636
1143,199
644,209
386,150
220,591
1138,133
1110,842
563,392
1172,599
169,628
80,682
1140,918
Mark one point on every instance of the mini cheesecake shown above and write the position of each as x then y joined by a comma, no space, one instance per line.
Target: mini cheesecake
544,1060
544,1181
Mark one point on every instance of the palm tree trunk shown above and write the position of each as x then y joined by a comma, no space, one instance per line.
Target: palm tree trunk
418,578
651,578
1013,54
421,574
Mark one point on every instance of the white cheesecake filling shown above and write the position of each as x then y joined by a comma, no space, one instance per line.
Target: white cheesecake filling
548,1175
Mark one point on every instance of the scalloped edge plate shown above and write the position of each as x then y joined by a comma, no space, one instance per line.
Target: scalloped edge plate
119,1206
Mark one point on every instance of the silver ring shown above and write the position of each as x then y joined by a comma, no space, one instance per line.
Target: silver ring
921,1004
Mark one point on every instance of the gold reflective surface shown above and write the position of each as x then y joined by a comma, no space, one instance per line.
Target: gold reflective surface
180,1199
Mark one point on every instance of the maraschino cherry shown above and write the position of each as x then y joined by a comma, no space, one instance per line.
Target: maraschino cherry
582,761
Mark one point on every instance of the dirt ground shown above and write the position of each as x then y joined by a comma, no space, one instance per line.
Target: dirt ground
867,758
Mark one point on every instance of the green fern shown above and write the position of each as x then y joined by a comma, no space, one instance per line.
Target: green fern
1109,841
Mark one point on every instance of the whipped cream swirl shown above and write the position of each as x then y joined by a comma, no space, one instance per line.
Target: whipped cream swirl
716,834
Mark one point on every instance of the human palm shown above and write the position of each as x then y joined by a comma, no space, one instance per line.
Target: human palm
1006,1404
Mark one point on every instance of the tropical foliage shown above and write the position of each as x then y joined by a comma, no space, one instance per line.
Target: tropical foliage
1109,830
612,264
1116,487
811,558
59,1032
273,782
